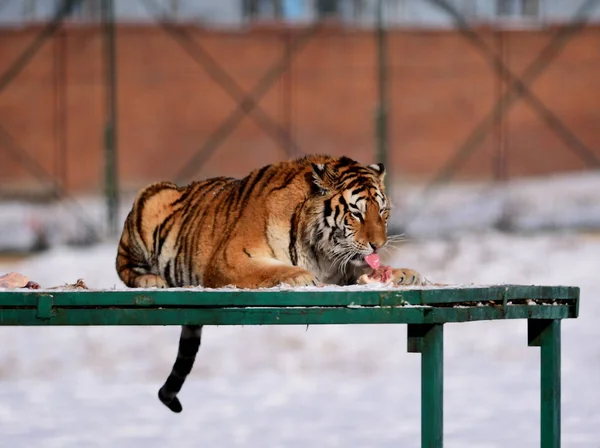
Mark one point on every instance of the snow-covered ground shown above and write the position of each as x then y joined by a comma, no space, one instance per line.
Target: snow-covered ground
566,201
289,386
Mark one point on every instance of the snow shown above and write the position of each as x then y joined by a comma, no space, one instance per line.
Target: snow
565,201
325,386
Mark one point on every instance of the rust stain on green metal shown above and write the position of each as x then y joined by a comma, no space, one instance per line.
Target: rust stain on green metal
143,301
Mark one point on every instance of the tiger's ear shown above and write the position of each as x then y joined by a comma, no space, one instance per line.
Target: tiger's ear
324,176
379,169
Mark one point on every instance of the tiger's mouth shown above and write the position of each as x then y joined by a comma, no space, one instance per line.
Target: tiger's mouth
358,260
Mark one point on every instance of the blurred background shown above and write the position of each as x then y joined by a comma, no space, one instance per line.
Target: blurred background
465,101
486,114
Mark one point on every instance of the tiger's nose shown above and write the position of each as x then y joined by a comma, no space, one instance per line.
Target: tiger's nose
375,245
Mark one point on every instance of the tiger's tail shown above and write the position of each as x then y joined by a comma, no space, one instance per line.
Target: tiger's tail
189,343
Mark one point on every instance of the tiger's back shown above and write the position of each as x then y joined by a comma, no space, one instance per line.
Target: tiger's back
205,233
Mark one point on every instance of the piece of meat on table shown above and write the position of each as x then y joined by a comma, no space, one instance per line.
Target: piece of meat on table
381,274
14,280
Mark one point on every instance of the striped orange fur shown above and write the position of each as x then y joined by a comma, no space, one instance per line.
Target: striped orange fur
301,222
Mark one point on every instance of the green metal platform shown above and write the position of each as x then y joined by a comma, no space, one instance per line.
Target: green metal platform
425,310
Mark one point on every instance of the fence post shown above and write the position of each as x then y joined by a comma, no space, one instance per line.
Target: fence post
428,339
545,333
110,135
381,118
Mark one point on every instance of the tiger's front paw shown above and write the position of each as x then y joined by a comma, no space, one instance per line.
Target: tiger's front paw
406,277
150,281
300,278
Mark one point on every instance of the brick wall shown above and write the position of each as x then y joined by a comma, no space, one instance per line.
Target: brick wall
168,104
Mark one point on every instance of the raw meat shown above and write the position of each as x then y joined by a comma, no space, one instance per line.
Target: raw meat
16,280
382,274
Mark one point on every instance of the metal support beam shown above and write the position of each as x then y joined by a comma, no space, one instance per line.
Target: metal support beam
381,119
7,141
428,339
248,102
545,333
110,135
60,107
500,164
287,98
521,88
23,59
531,73
245,106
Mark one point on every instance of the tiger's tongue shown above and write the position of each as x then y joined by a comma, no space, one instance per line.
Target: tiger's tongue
373,261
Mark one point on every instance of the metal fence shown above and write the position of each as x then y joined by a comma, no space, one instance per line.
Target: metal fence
98,97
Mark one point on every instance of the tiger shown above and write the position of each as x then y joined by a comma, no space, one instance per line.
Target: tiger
302,222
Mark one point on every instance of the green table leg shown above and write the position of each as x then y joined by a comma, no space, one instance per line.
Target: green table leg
428,339
545,333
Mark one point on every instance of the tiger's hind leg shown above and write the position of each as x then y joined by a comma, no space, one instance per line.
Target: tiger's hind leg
189,343
132,263
150,281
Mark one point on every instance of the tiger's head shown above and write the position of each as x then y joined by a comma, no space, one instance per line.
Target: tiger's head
351,220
